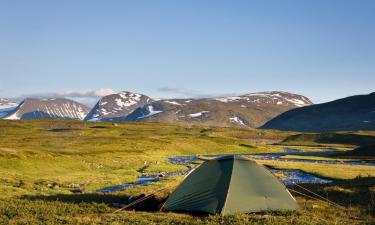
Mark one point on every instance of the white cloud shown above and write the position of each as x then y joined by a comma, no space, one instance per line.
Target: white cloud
85,96
86,93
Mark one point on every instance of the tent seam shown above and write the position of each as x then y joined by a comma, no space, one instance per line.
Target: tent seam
229,185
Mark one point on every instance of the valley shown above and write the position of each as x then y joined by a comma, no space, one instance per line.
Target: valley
51,170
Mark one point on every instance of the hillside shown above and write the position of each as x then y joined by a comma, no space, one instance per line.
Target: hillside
351,113
247,111
119,105
33,108
331,138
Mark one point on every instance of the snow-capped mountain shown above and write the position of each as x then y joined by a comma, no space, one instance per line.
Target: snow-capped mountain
6,106
33,108
273,97
118,105
250,110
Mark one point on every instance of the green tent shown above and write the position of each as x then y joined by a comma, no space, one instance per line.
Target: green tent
228,185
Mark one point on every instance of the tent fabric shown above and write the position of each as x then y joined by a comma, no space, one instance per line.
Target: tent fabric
228,185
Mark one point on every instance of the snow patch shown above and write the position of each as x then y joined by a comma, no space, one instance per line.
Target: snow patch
12,117
127,103
172,102
236,119
229,99
127,99
296,102
198,114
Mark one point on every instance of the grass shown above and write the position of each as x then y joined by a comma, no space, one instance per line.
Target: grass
76,153
331,171
50,169
96,209
316,158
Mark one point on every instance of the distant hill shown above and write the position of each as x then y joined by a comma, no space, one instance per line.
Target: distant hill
351,113
33,108
359,138
248,111
363,151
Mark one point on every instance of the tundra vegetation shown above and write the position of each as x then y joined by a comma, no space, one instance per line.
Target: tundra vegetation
50,171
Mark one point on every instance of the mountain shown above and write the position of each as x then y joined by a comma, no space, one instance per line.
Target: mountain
351,113
32,108
6,106
250,110
112,107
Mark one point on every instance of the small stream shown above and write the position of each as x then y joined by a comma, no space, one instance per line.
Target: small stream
288,177
289,151
140,181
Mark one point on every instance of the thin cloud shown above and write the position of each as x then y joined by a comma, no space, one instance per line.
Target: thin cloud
185,93
86,93
177,90
85,96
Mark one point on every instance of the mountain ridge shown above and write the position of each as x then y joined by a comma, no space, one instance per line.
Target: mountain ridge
35,108
249,110
117,105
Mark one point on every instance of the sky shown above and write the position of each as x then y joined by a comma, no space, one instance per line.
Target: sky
198,48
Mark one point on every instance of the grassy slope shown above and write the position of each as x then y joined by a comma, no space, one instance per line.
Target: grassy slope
90,155
42,162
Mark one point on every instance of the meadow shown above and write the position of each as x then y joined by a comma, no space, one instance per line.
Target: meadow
50,171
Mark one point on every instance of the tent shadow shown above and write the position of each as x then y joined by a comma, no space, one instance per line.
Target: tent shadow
151,204
80,198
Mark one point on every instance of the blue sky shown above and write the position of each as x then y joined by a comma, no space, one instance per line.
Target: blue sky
322,49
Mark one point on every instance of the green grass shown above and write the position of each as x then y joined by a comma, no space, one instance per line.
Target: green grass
92,156
331,171
317,158
49,170
96,209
